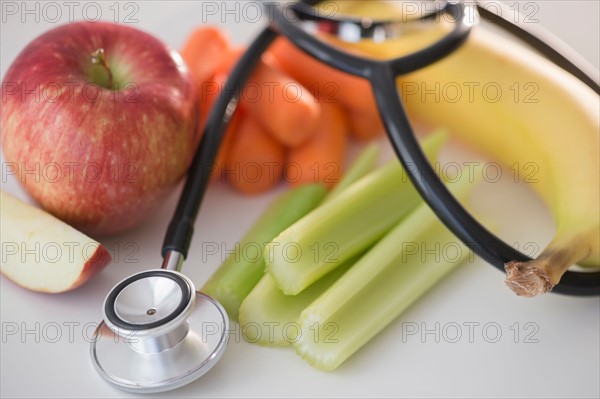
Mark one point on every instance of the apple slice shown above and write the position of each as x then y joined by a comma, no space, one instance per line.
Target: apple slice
41,253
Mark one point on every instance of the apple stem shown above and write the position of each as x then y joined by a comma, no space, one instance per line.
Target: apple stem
98,59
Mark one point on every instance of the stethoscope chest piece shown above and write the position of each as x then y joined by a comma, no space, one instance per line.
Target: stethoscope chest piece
158,333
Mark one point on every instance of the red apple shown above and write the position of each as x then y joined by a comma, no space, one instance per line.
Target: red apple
42,253
98,123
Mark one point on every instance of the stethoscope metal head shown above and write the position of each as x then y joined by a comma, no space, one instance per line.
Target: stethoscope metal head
158,333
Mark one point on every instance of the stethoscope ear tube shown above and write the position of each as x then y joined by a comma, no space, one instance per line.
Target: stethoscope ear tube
382,76
180,230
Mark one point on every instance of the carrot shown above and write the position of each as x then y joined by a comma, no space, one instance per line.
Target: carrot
365,125
286,109
326,82
331,85
322,158
208,96
255,160
209,92
203,52
211,89
230,59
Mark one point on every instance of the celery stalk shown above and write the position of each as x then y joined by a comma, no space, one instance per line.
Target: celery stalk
269,317
237,276
364,164
398,270
345,226
240,272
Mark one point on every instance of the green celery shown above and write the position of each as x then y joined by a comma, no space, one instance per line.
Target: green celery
396,272
269,317
364,164
345,226
236,277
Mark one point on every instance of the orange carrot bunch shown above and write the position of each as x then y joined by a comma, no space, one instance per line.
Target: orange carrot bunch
293,118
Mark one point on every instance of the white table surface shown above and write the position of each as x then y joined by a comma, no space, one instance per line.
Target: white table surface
562,359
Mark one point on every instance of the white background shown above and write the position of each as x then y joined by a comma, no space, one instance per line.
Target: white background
564,362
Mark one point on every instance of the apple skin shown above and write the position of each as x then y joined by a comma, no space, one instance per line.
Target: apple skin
98,261
102,160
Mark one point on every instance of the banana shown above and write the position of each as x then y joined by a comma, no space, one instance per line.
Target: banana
510,103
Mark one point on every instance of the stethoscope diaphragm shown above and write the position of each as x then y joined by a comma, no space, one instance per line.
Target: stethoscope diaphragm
158,333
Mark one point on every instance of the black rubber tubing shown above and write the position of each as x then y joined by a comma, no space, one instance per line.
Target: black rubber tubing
181,228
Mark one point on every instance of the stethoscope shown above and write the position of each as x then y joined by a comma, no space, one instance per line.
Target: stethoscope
158,332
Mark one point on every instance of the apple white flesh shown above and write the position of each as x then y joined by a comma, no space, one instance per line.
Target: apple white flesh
42,253
98,123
